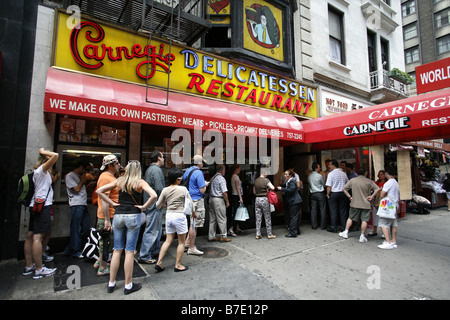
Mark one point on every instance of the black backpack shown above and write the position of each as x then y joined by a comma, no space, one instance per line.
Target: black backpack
186,182
25,189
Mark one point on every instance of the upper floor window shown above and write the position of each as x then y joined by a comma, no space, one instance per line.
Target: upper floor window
412,55
409,7
410,31
335,24
443,44
442,18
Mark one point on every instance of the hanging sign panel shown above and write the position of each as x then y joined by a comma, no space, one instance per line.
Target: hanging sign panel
433,76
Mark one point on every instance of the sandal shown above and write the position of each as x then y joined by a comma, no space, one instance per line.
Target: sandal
159,268
231,233
180,270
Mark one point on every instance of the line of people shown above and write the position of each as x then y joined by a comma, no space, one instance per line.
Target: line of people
128,201
353,198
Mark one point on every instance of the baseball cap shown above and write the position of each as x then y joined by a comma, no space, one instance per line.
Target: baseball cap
110,158
197,158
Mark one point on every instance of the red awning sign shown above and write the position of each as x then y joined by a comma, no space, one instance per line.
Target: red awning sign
77,94
417,118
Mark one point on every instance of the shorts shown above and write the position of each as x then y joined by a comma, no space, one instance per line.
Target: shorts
387,223
199,209
176,222
126,227
356,214
100,227
40,222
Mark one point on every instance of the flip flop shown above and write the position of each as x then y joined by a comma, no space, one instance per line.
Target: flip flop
159,269
180,270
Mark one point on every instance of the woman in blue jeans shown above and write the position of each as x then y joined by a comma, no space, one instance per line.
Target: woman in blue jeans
127,220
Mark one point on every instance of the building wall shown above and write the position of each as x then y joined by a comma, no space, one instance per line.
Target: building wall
17,35
354,73
426,33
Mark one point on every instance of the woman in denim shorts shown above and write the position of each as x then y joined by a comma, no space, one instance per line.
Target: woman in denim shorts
127,220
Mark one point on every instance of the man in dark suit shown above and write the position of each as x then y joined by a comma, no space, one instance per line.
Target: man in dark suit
293,200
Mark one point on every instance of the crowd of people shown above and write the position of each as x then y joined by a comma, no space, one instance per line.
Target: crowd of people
128,203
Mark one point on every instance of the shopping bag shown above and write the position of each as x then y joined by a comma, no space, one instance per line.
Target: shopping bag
241,213
187,203
387,208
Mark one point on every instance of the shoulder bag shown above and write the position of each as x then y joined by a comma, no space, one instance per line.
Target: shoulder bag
39,203
187,203
271,196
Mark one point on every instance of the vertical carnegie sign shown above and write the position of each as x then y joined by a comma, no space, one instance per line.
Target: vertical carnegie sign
102,50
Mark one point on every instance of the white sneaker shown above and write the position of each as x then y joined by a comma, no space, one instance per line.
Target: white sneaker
30,270
394,245
47,258
44,272
195,252
344,234
362,238
386,246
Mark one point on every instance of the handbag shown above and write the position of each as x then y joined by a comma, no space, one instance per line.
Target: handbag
39,203
187,203
387,208
241,213
272,196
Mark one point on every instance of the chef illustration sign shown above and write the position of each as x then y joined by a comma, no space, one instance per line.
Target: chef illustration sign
263,29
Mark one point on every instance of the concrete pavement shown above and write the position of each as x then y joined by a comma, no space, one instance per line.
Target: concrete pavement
316,265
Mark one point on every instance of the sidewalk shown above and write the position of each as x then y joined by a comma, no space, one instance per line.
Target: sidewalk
316,265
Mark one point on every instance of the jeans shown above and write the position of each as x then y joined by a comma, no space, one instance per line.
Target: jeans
151,239
126,228
318,205
79,224
338,207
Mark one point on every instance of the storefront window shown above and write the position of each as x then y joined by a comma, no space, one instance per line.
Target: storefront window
91,140
92,131
159,138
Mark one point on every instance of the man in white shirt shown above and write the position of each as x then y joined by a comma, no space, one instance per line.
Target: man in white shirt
317,192
392,190
80,216
218,204
337,200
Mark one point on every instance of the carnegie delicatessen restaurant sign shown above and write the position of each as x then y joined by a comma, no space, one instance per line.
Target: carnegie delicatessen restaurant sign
105,51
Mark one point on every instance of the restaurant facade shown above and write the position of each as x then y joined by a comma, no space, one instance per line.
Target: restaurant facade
102,88
99,88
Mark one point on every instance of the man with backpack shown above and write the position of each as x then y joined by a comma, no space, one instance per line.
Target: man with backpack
194,181
40,218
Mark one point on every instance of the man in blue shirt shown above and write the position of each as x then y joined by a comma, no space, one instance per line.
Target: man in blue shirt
197,187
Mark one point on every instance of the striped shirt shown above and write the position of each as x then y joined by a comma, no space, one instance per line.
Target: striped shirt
336,180
218,186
